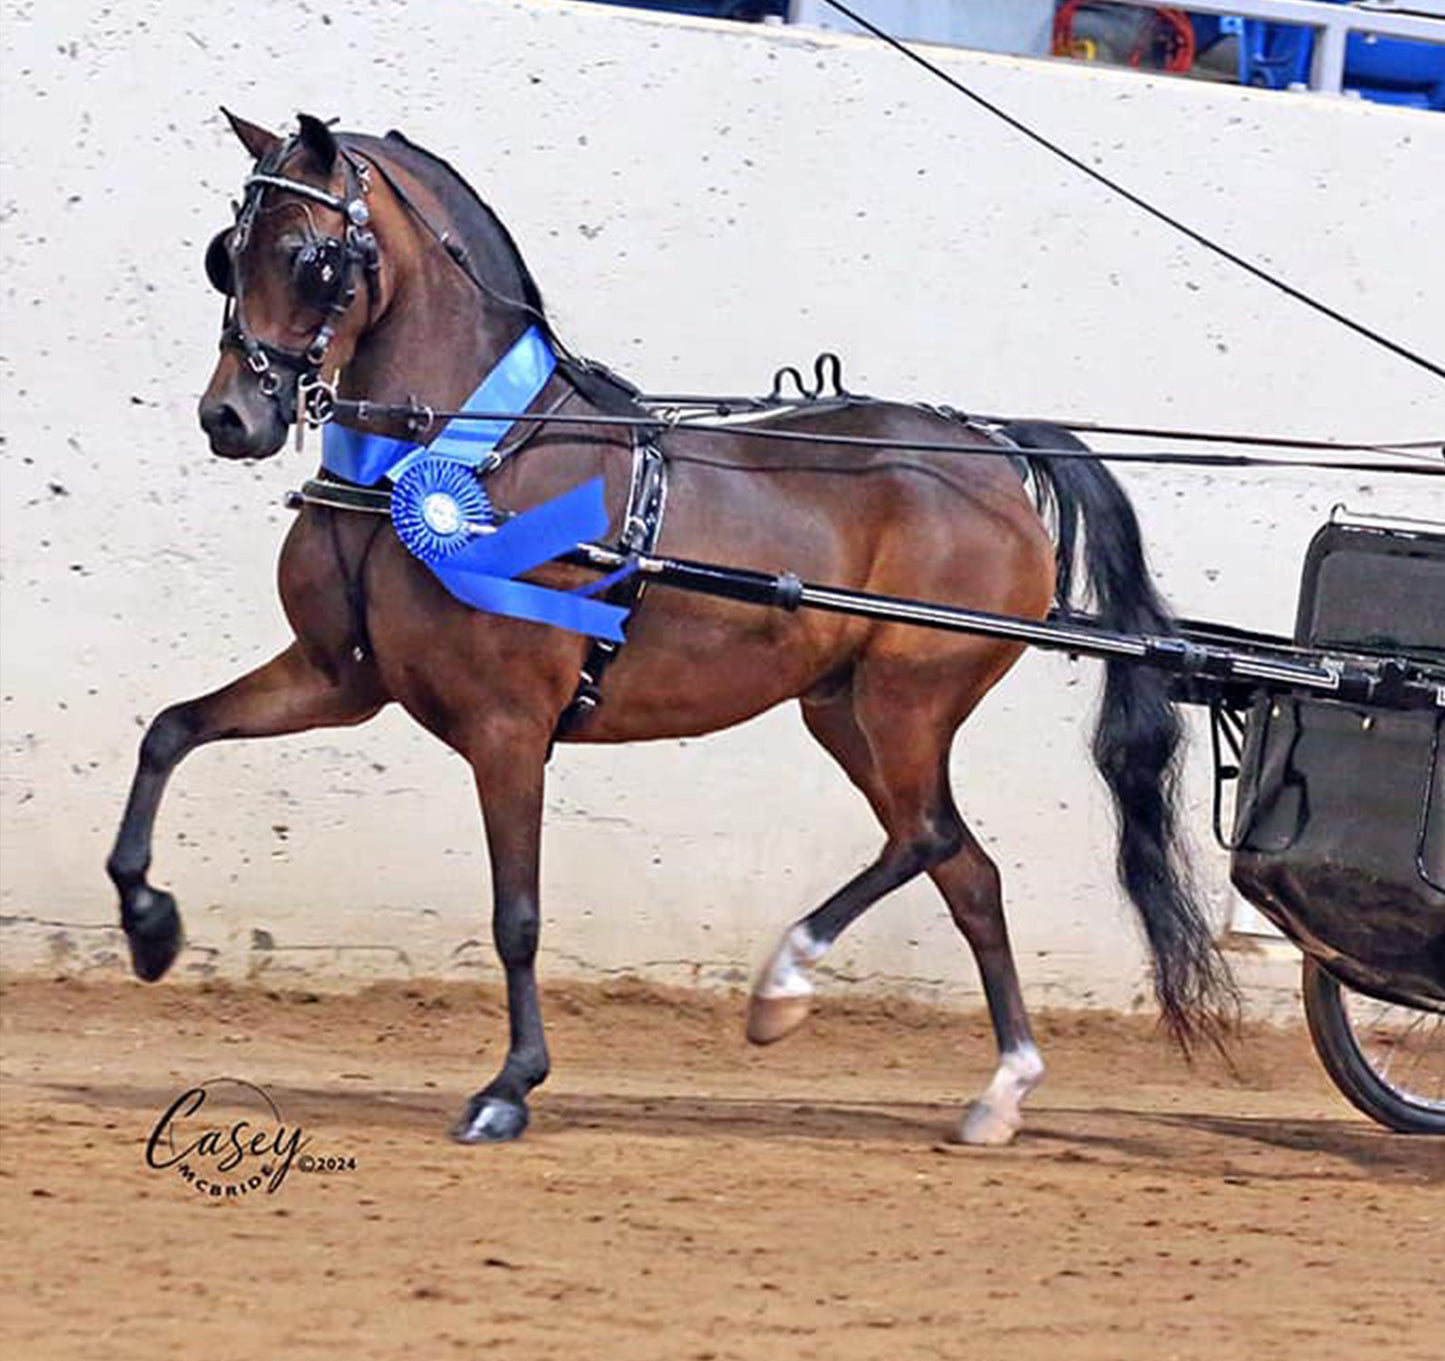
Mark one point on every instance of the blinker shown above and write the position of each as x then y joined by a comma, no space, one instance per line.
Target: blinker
218,263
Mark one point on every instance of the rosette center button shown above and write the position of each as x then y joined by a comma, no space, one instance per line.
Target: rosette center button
442,513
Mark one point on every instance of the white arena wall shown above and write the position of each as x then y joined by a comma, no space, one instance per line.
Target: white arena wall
701,203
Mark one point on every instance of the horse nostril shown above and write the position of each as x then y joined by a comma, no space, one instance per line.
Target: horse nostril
221,418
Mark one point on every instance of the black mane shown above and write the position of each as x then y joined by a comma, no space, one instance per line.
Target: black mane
493,252
478,228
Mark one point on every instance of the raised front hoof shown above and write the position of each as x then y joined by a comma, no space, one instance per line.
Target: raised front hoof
490,1120
153,932
985,1127
771,1018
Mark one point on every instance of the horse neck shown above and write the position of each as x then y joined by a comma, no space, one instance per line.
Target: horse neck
438,337
410,357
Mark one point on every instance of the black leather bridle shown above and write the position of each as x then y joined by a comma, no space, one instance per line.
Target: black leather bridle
326,272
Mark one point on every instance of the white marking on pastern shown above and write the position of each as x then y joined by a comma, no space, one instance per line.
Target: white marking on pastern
994,1118
786,973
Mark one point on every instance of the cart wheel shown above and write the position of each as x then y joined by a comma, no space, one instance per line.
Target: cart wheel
1389,1060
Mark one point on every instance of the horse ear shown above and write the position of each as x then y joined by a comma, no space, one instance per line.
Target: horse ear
317,139
256,140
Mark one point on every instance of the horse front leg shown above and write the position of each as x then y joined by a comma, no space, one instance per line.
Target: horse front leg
509,770
288,694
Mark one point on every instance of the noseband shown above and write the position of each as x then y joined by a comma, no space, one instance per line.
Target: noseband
324,273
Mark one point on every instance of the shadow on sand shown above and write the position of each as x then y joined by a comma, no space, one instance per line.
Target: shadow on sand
1186,1143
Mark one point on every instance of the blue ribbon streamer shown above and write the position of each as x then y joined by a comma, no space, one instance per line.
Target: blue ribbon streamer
480,575
609,581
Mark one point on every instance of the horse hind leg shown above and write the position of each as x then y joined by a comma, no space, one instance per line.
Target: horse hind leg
901,787
969,882
905,779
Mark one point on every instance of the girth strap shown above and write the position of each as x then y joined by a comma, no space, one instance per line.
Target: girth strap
641,529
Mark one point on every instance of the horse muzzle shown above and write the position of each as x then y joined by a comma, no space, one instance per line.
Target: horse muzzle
242,423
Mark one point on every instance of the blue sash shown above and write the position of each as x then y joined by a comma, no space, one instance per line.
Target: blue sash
444,518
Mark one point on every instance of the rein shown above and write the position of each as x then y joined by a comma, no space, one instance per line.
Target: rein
459,257
315,403
704,415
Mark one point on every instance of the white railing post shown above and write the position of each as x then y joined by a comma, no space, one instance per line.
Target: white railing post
1327,73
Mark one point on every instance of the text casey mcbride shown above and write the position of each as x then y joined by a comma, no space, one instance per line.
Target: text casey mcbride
224,1160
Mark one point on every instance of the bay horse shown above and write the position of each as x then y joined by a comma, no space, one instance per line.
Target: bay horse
434,292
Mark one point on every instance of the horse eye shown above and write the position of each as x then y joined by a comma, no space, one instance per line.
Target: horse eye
218,263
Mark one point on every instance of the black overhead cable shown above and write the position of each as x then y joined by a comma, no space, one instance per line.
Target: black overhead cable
1358,327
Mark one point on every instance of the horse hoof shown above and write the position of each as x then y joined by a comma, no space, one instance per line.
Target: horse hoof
490,1120
771,1018
153,932
984,1127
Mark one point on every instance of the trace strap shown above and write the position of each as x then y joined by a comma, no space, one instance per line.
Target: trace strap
444,518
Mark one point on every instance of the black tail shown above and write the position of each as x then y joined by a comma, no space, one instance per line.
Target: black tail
1138,736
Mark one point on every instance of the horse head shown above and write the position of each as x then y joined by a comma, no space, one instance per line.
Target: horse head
308,284
301,274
